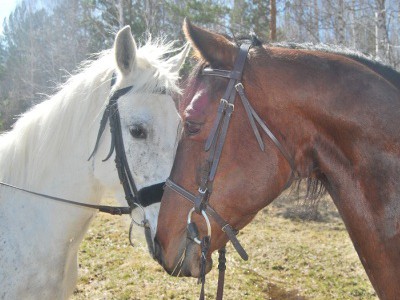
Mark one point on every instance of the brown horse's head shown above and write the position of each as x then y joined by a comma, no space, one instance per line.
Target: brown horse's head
247,178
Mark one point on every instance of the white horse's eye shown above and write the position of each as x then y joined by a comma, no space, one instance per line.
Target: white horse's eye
138,131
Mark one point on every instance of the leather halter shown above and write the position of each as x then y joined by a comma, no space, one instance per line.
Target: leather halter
214,146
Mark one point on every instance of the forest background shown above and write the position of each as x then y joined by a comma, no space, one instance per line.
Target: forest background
43,41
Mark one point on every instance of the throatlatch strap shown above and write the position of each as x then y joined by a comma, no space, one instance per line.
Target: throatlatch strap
253,116
247,107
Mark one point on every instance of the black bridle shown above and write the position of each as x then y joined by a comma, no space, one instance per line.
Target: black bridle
214,146
111,115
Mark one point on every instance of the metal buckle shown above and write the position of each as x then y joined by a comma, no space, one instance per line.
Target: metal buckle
239,86
224,101
189,220
236,232
201,191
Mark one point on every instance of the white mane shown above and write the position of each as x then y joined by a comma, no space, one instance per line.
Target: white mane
52,126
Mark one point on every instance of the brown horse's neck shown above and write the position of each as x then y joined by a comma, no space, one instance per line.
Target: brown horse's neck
340,120
320,102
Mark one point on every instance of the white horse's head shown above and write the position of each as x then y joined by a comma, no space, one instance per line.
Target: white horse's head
149,120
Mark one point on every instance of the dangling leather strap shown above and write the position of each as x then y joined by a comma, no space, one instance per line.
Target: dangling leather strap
205,245
221,273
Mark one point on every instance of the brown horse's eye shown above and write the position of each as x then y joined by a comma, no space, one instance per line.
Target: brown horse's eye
192,128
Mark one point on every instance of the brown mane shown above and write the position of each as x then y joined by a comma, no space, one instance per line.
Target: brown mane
385,71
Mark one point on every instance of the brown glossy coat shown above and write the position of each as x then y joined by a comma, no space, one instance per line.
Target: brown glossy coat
337,117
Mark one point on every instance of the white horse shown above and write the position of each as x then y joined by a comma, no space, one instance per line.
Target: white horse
47,151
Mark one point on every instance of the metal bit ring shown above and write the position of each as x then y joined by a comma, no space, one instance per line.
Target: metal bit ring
189,220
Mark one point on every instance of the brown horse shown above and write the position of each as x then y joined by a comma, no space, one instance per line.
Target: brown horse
335,118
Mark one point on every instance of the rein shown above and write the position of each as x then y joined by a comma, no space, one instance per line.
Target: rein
214,146
111,115
112,210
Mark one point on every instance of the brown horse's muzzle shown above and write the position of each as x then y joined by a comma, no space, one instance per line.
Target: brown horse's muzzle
185,262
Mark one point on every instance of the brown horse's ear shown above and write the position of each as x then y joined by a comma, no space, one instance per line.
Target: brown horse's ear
212,47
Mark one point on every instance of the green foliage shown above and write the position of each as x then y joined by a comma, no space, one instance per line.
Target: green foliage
200,12
250,17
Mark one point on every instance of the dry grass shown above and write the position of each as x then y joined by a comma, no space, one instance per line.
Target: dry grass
289,259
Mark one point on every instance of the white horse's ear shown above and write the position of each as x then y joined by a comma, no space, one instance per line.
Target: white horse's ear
125,50
178,60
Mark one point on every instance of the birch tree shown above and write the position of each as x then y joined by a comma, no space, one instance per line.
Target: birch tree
381,34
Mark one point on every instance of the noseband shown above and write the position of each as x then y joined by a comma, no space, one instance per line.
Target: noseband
214,146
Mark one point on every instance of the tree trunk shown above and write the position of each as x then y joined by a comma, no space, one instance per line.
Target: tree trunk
380,30
315,22
353,24
272,24
120,7
341,24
